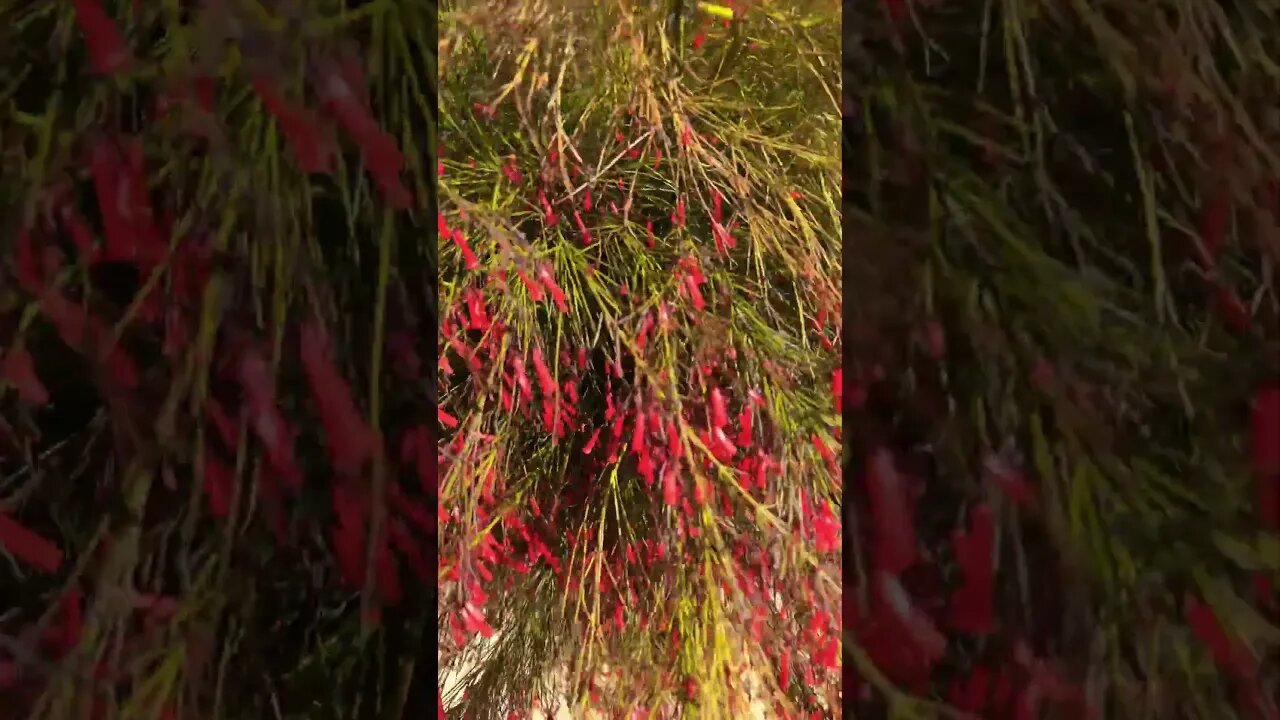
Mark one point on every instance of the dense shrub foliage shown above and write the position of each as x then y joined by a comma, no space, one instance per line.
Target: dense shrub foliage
640,342
1061,243
216,331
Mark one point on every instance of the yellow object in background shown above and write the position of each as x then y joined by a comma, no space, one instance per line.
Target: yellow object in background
719,11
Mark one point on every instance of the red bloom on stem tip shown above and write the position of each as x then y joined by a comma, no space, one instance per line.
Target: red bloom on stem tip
695,294
350,441
1234,313
535,290
826,529
1265,433
217,486
549,281
902,613
468,255
972,606
311,151
1228,652
1265,454
897,10
825,452
545,382
591,444
473,621
80,331
65,636
670,488
108,52
1012,482
894,543
745,422
381,155
18,370
582,228
28,547
264,415
31,275
1215,217
719,414
119,180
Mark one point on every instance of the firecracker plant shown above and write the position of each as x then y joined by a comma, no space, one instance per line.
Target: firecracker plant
1062,226
640,299
216,328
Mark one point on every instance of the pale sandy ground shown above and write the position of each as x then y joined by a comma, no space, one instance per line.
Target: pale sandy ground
756,709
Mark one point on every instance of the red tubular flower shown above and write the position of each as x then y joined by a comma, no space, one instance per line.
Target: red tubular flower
120,182
81,234
535,290
31,275
546,383
582,228
349,534
670,489
264,416
897,10
152,247
591,444
721,446
638,436
826,529
312,152
217,486
80,331
18,370
512,172
381,155
894,543
916,626
1265,433
825,452
549,281
412,553
227,429
1215,217
1228,652
837,388
350,441
970,694
972,606
108,52
114,202
745,423
468,255
642,335
473,621
28,547
719,414
388,574
65,636
1234,313
695,294
1009,480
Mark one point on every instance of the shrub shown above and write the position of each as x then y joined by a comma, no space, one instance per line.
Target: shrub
640,303
216,301
1063,323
